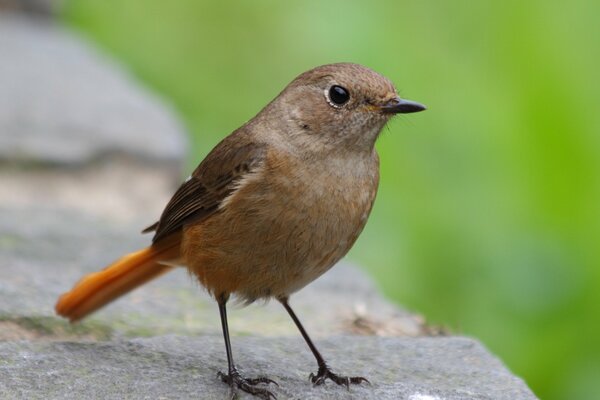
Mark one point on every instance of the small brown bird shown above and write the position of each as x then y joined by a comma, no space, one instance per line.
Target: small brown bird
271,208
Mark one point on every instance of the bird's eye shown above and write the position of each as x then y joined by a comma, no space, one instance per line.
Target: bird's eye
338,95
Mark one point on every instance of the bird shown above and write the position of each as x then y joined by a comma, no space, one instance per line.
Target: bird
271,208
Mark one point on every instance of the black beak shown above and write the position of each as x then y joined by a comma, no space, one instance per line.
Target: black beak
401,106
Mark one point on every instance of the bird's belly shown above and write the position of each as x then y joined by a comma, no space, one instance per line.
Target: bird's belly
271,243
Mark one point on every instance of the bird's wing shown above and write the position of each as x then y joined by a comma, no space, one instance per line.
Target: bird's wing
215,178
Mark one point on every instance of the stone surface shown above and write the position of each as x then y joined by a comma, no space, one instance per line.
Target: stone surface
77,132
63,103
117,190
173,367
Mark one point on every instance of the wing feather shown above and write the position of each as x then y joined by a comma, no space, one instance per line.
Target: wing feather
215,178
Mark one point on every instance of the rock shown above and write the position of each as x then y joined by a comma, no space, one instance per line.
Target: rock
117,190
63,103
174,367
78,133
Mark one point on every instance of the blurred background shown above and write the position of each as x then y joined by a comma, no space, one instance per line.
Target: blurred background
488,218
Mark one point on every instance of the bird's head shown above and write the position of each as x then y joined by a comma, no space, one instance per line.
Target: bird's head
340,105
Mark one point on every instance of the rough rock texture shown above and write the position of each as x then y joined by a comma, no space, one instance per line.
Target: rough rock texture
87,159
173,367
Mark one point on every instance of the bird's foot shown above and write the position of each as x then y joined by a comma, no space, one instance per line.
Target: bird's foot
325,373
249,385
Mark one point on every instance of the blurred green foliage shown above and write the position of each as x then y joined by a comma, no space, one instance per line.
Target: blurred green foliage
488,215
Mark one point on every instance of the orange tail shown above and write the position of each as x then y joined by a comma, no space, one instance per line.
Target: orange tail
132,270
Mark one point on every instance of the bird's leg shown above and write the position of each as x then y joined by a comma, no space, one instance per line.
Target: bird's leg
324,371
234,379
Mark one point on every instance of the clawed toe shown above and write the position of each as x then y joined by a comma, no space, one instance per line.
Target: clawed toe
325,373
248,385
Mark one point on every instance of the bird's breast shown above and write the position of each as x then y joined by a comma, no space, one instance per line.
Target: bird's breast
289,222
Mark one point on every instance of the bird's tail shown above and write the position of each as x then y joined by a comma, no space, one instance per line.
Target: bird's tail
130,271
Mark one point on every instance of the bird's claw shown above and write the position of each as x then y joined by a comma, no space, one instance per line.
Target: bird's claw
325,373
248,385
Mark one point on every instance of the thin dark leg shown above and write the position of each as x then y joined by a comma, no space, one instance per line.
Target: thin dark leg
234,378
324,372
223,313
320,361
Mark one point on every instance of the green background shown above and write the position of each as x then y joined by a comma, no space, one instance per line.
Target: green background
488,217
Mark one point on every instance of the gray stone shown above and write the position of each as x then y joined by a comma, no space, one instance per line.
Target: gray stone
174,367
117,190
56,247
61,102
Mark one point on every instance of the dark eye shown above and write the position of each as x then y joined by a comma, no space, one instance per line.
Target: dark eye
338,95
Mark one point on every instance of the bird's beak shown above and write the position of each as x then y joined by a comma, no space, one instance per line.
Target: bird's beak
401,106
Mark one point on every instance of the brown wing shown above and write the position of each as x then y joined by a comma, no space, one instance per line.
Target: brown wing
215,178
